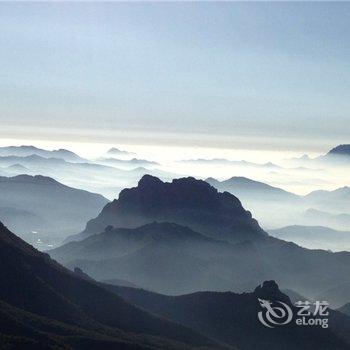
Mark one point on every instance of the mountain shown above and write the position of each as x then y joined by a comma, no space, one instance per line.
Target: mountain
39,207
126,163
185,201
24,151
45,306
341,150
116,152
90,176
227,162
232,318
185,259
337,295
314,237
292,294
314,217
272,206
172,259
336,200
245,188
345,309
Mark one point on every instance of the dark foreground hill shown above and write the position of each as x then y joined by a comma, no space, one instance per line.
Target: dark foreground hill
345,309
38,207
44,306
186,201
232,318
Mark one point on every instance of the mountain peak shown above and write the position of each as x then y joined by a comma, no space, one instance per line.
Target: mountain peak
342,150
149,181
269,290
117,151
184,201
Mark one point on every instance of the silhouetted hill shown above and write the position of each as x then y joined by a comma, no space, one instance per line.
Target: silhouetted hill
186,201
24,151
99,178
126,163
227,162
341,150
112,152
314,237
44,306
313,217
121,241
243,187
45,206
170,258
338,295
336,200
232,318
345,309
158,256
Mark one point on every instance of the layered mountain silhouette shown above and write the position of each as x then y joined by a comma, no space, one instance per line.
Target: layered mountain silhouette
314,217
243,187
39,207
24,151
126,163
107,180
338,294
341,150
186,201
345,309
157,256
314,237
275,207
227,162
45,306
232,318
336,200
116,152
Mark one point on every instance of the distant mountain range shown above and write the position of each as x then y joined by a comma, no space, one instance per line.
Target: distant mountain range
40,208
338,155
223,161
314,237
116,152
336,200
318,217
243,187
94,177
274,206
25,151
44,306
126,163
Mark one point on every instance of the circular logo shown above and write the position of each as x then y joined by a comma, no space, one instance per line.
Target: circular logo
275,313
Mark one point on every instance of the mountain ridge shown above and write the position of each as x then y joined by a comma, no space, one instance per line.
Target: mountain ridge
186,201
35,284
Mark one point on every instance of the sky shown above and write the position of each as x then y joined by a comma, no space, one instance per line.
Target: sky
269,76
